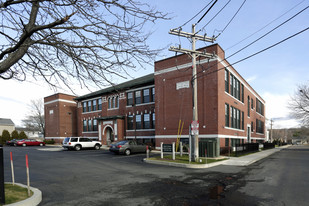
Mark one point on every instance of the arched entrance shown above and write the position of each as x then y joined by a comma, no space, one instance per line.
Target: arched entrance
109,134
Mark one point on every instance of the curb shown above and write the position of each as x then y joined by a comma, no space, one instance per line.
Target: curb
174,164
34,200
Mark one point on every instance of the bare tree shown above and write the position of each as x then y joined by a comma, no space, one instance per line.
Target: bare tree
35,119
299,104
85,40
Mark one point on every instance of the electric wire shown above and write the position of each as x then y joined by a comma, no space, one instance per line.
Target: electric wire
263,26
214,17
206,12
243,59
231,18
196,14
268,32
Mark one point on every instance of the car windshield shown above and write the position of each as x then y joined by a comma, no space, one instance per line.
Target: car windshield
121,143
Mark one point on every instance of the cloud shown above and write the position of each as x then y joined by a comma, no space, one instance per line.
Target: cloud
277,109
251,79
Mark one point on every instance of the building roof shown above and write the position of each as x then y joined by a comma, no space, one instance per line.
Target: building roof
7,122
120,87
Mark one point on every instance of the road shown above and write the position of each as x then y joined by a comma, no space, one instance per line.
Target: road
91,177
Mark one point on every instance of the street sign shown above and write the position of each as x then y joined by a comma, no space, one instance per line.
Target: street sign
195,127
167,148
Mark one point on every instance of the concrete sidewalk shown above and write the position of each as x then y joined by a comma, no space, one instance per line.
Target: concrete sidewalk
235,161
249,159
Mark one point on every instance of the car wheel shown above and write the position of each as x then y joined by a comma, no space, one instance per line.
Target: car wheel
24,145
15,145
77,147
127,152
97,147
41,144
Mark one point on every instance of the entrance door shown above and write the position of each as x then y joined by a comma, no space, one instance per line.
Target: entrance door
109,135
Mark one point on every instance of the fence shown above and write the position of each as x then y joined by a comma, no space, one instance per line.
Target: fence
268,145
241,149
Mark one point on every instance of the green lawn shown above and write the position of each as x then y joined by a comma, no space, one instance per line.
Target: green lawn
184,159
15,193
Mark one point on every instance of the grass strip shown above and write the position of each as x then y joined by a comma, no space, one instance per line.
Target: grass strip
185,159
15,193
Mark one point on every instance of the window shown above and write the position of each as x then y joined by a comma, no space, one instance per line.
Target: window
231,84
130,98
85,126
227,122
236,121
94,105
146,121
259,107
227,142
89,106
236,88
84,106
248,106
153,121
100,104
146,97
153,94
138,98
138,121
89,125
95,125
226,80
242,120
242,93
259,126
130,122
109,103
251,103
116,102
113,102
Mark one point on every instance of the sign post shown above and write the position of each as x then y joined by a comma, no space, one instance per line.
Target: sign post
12,169
28,178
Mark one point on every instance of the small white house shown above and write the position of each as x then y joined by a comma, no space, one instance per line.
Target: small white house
6,124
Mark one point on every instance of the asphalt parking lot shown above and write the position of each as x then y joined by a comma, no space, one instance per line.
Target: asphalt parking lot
98,177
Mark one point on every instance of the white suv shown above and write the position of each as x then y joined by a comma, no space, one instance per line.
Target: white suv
79,143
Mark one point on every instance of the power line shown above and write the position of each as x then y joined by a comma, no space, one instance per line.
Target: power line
214,16
232,18
264,26
196,76
206,12
196,15
268,32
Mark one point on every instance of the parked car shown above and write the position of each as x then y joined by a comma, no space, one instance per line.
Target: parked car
78,143
29,142
128,147
11,142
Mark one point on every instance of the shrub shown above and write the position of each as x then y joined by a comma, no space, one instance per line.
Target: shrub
49,141
14,135
22,135
5,136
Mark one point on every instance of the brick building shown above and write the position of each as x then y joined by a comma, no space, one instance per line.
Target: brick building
60,116
150,108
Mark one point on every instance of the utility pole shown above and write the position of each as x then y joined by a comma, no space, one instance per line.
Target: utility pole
271,129
194,54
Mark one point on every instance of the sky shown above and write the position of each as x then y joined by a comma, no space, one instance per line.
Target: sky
274,73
